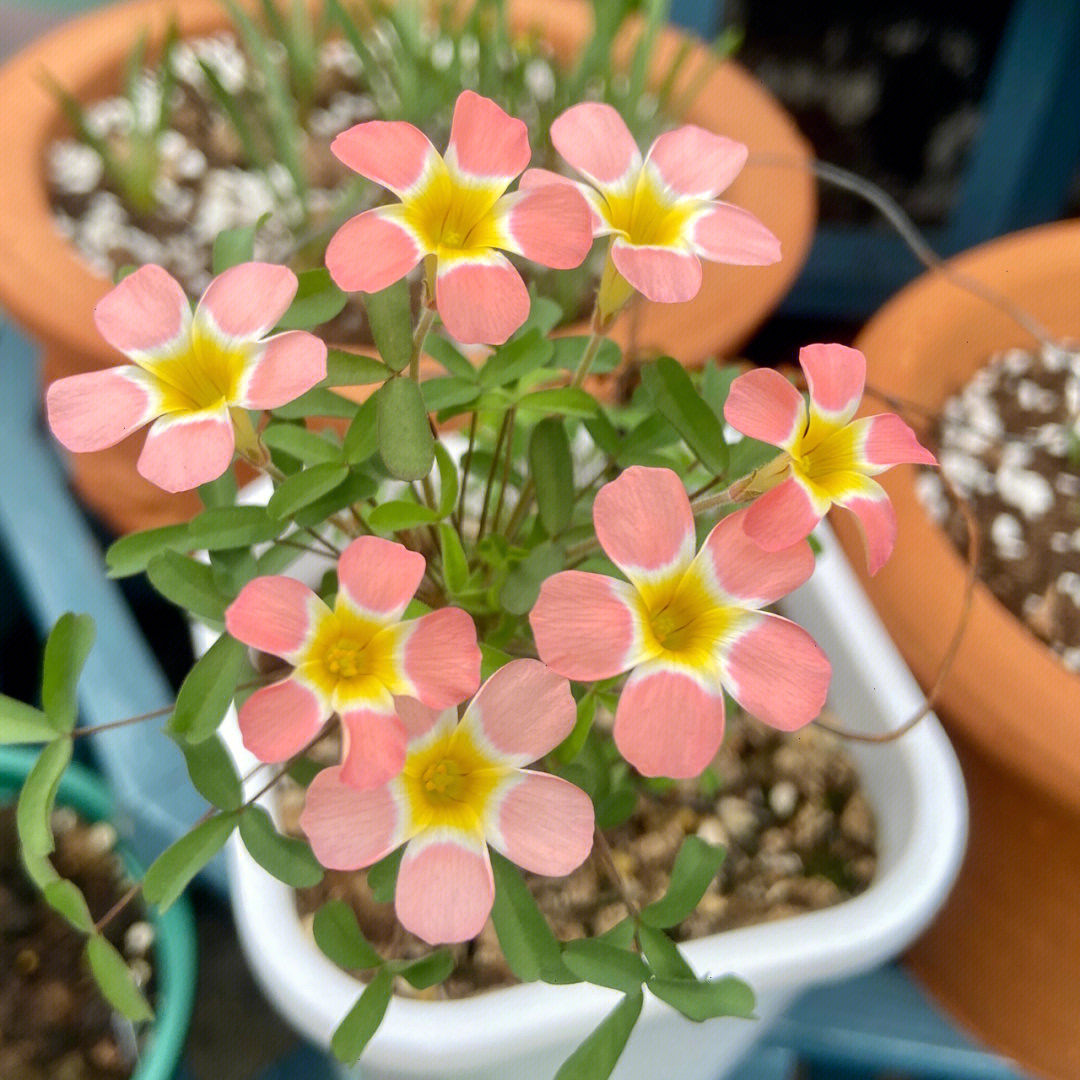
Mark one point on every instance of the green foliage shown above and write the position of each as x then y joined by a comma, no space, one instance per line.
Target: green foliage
288,859
189,584
406,444
22,723
604,964
317,301
706,999
114,979
382,876
697,863
38,795
363,1019
663,954
596,1057
349,369
677,400
224,527
338,935
212,772
303,488
390,318
173,869
66,650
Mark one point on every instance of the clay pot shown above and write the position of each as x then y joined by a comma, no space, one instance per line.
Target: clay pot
1004,957
50,292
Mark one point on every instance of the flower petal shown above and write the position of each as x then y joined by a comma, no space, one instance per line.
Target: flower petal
885,440
379,577
440,657
695,163
99,408
391,152
276,615
481,300
445,887
422,724
289,365
644,523
588,626
373,250
877,520
523,710
485,141
540,822
593,138
279,720
534,179
836,376
776,671
146,313
783,516
738,571
664,275
669,722
348,828
551,225
764,405
185,450
730,234
247,300
372,748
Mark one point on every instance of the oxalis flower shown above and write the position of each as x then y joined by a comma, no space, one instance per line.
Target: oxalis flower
661,212
463,787
687,627
194,376
351,659
828,458
454,213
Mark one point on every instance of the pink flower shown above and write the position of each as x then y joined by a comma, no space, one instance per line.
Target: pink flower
686,627
463,787
352,659
453,211
188,372
662,212
828,458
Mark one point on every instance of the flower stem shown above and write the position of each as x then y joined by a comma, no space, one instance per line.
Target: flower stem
596,339
602,851
427,318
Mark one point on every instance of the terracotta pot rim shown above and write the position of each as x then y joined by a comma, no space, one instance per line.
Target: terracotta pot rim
42,275
1007,692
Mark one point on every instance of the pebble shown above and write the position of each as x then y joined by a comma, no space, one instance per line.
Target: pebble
783,799
738,818
1007,536
857,820
138,939
1028,491
712,831
101,837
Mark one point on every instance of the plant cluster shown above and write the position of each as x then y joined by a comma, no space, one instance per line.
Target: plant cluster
479,598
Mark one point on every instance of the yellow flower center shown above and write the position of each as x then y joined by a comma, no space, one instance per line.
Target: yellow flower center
352,656
686,624
344,658
203,374
646,217
452,217
444,781
826,458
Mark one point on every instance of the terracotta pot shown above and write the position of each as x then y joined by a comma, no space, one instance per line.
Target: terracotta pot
49,291
1005,955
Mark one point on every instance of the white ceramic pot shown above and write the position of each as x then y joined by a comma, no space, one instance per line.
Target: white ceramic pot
525,1032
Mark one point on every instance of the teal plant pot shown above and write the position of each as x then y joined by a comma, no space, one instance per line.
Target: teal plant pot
174,949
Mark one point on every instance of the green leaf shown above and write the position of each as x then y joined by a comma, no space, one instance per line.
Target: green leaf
32,817
114,979
571,746
621,934
208,689
317,402
448,479
189,584
287,858
400,514
544,315
350,369
338,935
448,392
569,351
361,438
444,353
428,970
233,246
695,866
563,400
363,1019
552,470
382,876
604,964
305,487
617,807
219,492
491,659
22,723
522,585
225,527
455,565
317,301
307,446
531,949
172,871
130,554
355,488
596,1057
406,444
663,954
66,650
706,999
675,397
212,772
390,317
517,357
65,898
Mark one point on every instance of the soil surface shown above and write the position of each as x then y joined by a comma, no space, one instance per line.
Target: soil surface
54,1023
798,829
1010,443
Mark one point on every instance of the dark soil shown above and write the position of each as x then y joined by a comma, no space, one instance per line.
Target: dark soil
1010,443
54,1024
790,811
